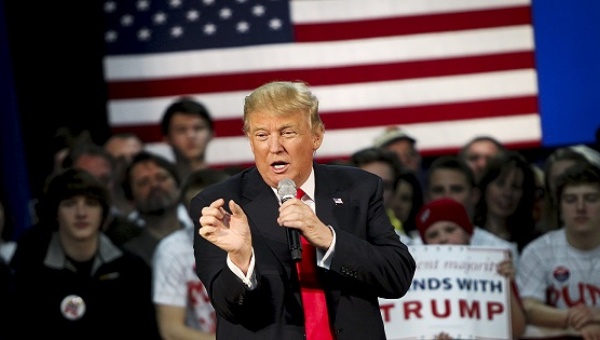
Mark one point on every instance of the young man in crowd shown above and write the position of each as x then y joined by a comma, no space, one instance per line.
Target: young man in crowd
559,275
187,127
79,285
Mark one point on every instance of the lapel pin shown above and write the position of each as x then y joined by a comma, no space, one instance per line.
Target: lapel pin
337,201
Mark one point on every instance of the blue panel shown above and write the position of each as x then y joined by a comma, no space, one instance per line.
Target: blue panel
14,179
567,37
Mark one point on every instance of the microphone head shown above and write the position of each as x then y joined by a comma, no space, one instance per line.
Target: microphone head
286,188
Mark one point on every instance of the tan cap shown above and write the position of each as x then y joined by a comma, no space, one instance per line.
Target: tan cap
390,135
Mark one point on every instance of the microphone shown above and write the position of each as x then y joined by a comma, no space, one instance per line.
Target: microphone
286,189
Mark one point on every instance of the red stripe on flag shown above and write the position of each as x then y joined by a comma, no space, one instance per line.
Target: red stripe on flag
376,117
431,113
322,76
418,24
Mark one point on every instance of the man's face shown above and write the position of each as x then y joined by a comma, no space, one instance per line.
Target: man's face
451,184
79,218
478,154
408,155
123,148
154,189
189,135
580,208
98,166
385,171
283,145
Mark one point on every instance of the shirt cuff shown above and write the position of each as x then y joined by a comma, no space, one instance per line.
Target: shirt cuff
324,258
250,278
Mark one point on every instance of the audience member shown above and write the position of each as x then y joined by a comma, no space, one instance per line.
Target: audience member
555,165
478,151
79,284
122,147
385,164
450,177
407,200
152,184
7,244
92,158
187,127
403,145
63,141
98,162
183,308
445,221
505,207
559,276
351,255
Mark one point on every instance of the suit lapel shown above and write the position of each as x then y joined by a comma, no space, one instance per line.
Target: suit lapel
262,209
325,191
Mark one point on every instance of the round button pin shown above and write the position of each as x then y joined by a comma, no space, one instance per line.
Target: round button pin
72,307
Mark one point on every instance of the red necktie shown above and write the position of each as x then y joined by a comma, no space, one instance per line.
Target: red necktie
316,317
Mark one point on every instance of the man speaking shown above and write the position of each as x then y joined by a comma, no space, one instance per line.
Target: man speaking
350,254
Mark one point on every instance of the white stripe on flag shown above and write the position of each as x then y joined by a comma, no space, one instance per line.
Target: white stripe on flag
311,11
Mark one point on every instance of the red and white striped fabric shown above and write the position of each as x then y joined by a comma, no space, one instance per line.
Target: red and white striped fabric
445,71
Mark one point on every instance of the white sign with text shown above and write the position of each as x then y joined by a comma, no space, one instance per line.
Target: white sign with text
457,290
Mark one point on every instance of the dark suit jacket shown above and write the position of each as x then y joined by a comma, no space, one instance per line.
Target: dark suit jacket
369,260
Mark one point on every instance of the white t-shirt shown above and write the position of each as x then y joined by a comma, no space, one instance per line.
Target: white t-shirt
176,283
482,237
552,271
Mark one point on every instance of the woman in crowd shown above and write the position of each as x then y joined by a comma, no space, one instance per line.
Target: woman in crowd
505,207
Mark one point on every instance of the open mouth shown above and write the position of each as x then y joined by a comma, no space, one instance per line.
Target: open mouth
279,165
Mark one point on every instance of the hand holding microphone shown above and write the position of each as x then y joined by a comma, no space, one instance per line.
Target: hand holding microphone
286,190
301,218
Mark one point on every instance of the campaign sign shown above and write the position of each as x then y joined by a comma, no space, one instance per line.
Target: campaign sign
457,290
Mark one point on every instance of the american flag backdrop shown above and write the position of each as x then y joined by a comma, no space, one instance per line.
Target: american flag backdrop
443,70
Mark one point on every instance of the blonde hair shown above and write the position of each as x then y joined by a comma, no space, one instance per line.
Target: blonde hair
284,98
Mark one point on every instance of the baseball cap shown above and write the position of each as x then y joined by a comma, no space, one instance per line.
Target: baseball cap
391,135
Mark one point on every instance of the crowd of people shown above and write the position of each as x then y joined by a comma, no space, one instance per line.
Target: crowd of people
129,243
